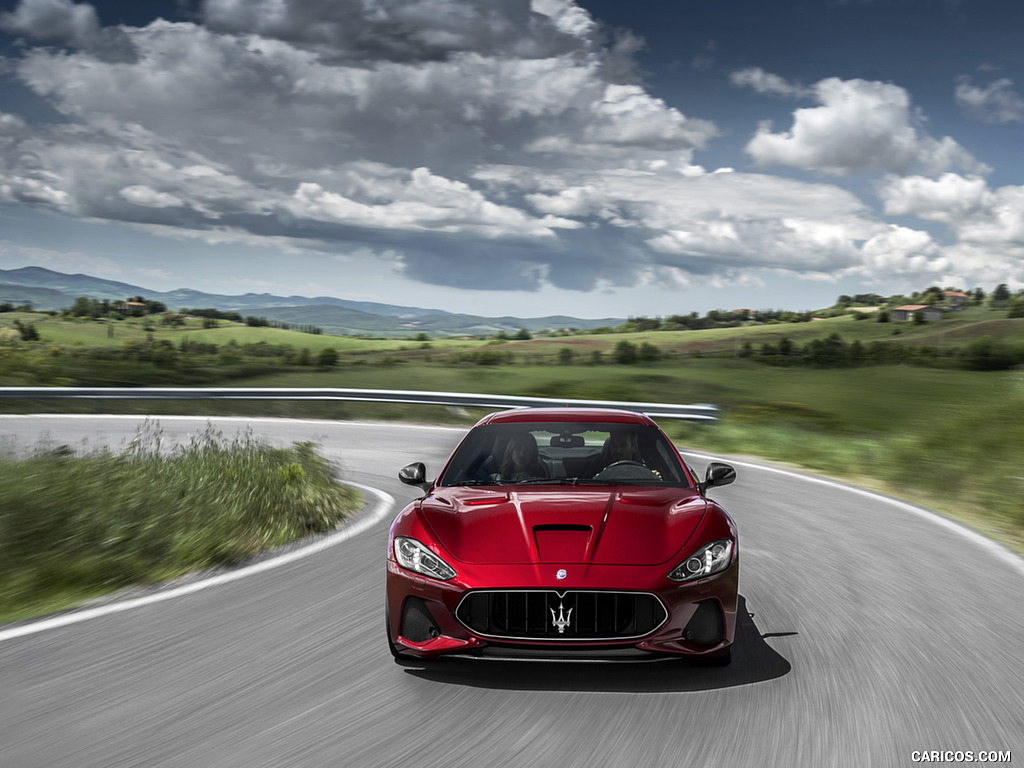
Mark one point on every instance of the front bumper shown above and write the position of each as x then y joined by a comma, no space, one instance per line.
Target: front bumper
700,622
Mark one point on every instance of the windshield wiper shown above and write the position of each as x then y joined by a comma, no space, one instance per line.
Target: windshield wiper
476,482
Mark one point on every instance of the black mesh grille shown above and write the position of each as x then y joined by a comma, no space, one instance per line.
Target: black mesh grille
573,615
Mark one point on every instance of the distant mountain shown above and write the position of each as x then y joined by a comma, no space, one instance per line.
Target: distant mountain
46,289
73,286
64,285
40,298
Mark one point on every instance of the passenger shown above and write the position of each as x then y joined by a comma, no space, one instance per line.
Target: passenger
521,460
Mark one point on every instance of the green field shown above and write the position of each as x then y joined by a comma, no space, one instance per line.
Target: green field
935,431
60,331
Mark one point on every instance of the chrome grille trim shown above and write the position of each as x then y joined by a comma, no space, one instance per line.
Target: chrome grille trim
518,614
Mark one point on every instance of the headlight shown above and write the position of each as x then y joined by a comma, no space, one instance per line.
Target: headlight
414,556
711,558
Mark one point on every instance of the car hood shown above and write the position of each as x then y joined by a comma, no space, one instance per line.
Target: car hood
602,526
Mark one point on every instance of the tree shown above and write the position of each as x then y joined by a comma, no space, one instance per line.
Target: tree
565,355
648,353
27,330
643,323
932,296
828,352
85,307
855,354
999,295
327,357
522,335
988,354
1017,308
625,353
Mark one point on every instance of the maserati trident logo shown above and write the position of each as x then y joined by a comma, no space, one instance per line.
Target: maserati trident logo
562,620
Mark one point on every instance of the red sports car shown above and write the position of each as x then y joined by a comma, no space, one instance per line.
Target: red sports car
563,532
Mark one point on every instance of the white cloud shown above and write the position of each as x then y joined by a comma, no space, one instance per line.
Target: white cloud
985,264
623,122
53,20
139,194
424,202
75,24
996,103
975,213
294,120
948,199
765,82
475,143
860,126
898,251
566,15
718,221
408,31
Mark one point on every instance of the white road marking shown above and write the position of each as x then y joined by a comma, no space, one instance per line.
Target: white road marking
1008,556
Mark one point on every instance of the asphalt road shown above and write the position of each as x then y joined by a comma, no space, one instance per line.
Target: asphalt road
870,631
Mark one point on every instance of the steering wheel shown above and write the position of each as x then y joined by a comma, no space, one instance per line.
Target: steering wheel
625,470
624,462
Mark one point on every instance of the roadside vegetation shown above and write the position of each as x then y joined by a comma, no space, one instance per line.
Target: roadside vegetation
930,410
76,526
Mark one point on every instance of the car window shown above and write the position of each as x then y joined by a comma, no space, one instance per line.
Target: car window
565,452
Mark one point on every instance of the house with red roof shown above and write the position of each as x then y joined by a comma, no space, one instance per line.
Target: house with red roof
907,311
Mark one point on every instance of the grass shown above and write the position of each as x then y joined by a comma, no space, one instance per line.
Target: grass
61,331
946,437
966,467
870,399
76,526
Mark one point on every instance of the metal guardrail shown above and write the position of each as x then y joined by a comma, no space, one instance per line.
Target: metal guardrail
699,413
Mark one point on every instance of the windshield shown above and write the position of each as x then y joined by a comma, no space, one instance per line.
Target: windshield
565,453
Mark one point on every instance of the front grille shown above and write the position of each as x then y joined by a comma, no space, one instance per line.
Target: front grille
549,615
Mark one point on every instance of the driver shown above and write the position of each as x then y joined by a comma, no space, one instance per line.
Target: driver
621,445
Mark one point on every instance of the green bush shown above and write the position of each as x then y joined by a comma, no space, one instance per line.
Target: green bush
87,524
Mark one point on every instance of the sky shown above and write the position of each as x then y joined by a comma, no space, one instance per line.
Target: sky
595,158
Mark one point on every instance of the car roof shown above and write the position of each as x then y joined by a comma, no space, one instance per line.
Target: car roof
556,415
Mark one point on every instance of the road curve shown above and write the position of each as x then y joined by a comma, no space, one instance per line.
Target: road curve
869,632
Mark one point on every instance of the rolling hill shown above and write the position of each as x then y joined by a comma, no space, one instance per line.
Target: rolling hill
46,289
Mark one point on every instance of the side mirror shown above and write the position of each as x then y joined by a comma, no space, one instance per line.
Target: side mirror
414,474
717,474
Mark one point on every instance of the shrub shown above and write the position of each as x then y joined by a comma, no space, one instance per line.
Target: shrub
625,353
86,524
